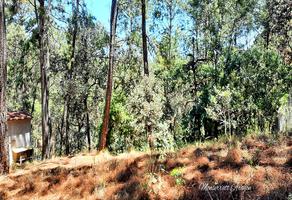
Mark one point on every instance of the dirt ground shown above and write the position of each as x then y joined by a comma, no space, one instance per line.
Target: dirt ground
253,168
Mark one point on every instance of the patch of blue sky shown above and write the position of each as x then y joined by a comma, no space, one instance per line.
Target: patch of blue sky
100,9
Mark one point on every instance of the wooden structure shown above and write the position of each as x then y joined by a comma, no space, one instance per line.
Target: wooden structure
285,116
19,136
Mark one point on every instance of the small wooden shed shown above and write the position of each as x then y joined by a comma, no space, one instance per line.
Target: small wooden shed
19,136
285,116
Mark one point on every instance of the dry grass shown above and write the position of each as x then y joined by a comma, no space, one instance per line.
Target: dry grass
233,157
289,162
265,168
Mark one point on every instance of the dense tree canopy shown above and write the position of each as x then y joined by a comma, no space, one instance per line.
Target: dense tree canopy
215,67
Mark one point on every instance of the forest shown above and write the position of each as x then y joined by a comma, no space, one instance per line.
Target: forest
160,76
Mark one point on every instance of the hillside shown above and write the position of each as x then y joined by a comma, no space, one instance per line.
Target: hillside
256,167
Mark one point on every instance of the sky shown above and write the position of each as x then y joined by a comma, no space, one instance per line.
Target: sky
101,10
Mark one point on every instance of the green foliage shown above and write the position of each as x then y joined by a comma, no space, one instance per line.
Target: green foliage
240,84
121,131
219,108
177,174
146,105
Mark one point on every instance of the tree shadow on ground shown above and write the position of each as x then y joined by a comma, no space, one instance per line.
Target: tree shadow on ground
201,192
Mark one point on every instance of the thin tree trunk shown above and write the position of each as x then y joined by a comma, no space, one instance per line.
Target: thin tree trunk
146,69
103,137
170,31
88,128
267,24
197,37
34,96
144,39
44,64
87,123
52,135
66,127
86,80
4,158
61,138
267,34
225,125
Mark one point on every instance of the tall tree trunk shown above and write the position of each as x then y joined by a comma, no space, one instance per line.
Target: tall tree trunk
66,127
146,68
44,64
267,24
268,31
144,39
85,101
170,10
197,36
85,98
4,159
52,138
87,125
105,124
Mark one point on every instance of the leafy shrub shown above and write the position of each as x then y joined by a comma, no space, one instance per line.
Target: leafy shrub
146,105
177,174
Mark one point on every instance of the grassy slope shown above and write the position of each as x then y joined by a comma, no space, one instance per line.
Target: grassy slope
259,162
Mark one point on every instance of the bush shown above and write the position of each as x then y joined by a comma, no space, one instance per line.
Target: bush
146,104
